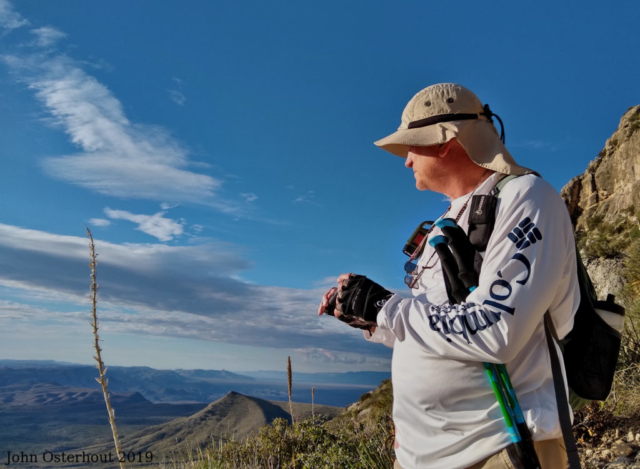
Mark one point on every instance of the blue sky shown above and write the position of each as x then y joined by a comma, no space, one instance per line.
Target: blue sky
221,153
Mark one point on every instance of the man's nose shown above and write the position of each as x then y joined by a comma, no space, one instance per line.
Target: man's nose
408,162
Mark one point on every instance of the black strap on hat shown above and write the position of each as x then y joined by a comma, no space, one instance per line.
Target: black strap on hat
488,113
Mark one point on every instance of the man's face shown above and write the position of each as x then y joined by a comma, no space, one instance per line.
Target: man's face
426,164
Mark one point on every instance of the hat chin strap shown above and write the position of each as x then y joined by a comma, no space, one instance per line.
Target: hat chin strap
488,113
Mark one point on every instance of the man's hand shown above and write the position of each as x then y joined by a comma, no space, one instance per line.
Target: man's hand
357,301
331,303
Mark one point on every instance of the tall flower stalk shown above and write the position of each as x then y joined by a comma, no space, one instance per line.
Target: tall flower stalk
98,356
289,382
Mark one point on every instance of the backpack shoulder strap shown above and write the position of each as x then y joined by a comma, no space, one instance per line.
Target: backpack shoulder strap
561,395
503,182
482,217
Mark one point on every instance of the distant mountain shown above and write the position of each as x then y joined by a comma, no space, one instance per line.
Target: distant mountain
232,416
212,374
373,378
195,386
33,363
17,396
154,385
45,416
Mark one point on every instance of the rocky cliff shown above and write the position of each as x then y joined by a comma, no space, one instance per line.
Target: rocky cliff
603,204
611,182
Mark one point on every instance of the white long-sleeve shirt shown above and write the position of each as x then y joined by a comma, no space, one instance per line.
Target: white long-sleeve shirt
445,412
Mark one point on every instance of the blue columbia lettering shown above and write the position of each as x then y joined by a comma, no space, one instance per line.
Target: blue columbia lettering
469,317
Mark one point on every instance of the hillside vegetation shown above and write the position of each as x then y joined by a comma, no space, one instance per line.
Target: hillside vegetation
233,417
360,438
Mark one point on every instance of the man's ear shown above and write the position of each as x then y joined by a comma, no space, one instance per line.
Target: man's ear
444,149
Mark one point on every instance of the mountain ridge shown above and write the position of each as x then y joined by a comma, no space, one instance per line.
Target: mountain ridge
234,416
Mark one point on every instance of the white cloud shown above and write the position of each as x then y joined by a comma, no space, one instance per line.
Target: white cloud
118,158
197,228
165,229
177,97
9,18
177,291
166,206
249,196
99,64
308,198
10,310
47,36
99,222
538,145
322,355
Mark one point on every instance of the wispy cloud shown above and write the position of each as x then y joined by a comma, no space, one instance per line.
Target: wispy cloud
308,197
119,158
536,145
177,291
9,18
322,355
99,222
165,229
19,311
177,97
116,157
249,196
47,36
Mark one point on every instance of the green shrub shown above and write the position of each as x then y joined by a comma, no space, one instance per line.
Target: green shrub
308,444
607,240
634,122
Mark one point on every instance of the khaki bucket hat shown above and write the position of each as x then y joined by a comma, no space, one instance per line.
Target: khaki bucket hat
444,111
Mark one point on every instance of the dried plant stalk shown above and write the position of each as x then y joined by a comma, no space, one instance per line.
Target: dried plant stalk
100,365
289,380
313,393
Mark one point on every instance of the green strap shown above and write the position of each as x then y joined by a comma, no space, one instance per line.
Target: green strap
503,182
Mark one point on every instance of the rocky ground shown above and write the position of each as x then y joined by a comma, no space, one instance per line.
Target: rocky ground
605,440
614,452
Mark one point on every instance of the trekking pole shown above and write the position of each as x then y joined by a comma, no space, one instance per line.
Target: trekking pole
463,252
455,248
506,411
450,267
528,448
459,292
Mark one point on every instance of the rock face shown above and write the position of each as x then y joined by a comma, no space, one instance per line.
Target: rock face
606,275
606,191
611,182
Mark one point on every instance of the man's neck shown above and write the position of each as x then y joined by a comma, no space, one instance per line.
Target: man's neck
459,186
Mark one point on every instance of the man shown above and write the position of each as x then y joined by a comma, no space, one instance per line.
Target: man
445,411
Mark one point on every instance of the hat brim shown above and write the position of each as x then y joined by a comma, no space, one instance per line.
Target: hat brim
478,137
399,142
